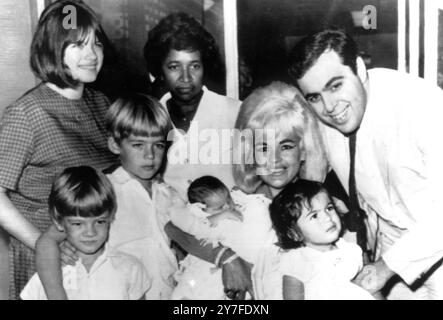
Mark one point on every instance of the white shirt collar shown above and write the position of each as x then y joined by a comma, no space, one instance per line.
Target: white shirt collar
121,176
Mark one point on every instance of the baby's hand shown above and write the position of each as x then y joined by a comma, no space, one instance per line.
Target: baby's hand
227,214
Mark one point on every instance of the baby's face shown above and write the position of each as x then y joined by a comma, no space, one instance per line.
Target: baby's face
216,203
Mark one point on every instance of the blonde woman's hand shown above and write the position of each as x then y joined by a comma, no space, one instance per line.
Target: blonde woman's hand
236,277
373,276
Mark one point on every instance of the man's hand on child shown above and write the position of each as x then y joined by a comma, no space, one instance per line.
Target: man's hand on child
373,277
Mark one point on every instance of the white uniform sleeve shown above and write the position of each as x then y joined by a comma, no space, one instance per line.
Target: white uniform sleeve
420,248
191,220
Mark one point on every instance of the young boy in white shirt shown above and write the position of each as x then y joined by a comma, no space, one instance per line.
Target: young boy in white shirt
82,205
138,127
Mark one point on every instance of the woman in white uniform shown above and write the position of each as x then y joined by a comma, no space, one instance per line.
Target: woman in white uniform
182,56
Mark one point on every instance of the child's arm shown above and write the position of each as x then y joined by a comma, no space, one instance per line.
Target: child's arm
180,215
191,244
183,218
48,257
293,289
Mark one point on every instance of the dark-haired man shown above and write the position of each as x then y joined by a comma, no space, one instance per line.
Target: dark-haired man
398,160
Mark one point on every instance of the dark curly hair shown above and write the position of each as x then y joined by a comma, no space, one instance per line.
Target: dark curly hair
287,207
180,31
306,52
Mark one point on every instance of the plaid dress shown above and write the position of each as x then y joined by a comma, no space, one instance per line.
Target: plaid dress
41,134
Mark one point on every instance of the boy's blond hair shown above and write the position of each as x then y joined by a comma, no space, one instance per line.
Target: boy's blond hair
138,115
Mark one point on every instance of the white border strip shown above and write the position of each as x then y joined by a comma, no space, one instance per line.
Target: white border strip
40,7
431,41
231,47
401,64
414,33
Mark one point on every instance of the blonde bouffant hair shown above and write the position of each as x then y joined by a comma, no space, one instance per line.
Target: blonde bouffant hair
281,106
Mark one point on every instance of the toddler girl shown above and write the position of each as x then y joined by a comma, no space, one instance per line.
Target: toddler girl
316,263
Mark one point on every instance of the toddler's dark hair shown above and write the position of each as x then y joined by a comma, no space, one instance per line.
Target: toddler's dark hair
287,207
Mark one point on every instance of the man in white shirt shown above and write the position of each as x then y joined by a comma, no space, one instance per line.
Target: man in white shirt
398,160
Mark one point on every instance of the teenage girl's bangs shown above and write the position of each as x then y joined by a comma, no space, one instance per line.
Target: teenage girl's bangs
86,24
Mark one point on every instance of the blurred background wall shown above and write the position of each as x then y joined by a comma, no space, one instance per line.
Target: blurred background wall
267,30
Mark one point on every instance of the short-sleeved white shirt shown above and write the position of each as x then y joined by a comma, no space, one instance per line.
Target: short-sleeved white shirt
113,276
326,275
138,229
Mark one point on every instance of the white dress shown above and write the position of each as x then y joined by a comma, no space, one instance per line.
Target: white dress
198,279
326,275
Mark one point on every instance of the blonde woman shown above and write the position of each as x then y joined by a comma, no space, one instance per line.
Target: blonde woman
276,142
